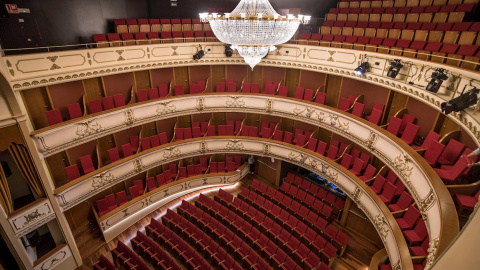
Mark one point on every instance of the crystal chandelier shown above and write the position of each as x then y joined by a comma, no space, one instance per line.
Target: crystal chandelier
253,28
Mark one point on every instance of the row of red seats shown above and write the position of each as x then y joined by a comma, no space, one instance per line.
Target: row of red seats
152,252
394,10
152,93
460,26
387,188
142,38
158,25
287,229
104,264
241,250
287,236
434,50
153,141
87,166
109,203
215,253
131,148
54,116
232,164
109,102
124,257
409,131
265,206
316,198
301,137
176,245
401,3
228,86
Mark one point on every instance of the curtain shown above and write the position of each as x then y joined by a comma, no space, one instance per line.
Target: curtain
5,196
25,165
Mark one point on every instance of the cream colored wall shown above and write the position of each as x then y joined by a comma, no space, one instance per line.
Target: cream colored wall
463,252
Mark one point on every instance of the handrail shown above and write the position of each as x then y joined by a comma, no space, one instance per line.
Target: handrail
124,216
360,193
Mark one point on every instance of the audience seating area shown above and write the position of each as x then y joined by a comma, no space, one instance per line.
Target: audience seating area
173,173
429,30
155,31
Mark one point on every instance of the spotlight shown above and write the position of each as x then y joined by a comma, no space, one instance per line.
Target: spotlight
360,70
461,102
395,67
228,51
438,76
199,54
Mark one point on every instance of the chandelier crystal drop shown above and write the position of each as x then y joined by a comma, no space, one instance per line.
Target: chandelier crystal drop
253,28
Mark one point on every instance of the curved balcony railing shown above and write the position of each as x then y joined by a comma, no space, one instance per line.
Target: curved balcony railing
360,193
34,70
124,216
423,183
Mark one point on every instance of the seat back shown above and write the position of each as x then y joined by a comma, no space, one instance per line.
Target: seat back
452,151
379,182
433,152
411,216
375,116
405,200
74,110
358,109
54,117
432,136
410,133
113,154
394,125
321,147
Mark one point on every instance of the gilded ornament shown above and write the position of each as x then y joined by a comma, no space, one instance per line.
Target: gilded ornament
102,179
269,105
32,216
165,107
87,128
200,104
129,118
356,195
235,101
234,145
432,252
171,153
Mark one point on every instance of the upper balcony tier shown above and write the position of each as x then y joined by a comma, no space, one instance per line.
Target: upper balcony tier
34,70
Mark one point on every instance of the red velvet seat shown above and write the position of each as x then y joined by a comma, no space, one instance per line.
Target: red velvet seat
408,220
357,166
388,193
451,152
465,201
299,91
394,125
72,172
431,136
418,234
95,106
113,154
321,147
378,184
127,150
433,152
54,117
87,164
108,103
102,207
410,133
421,250
375,116
358,109
74,110
369,173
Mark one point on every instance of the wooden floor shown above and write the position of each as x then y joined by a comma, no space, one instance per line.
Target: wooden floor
357,255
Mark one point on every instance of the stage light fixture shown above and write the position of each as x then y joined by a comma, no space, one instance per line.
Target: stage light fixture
438,76
461,102
199,54
394,69
228,51
360,70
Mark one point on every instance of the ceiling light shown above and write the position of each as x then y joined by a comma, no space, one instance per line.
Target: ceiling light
253,28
